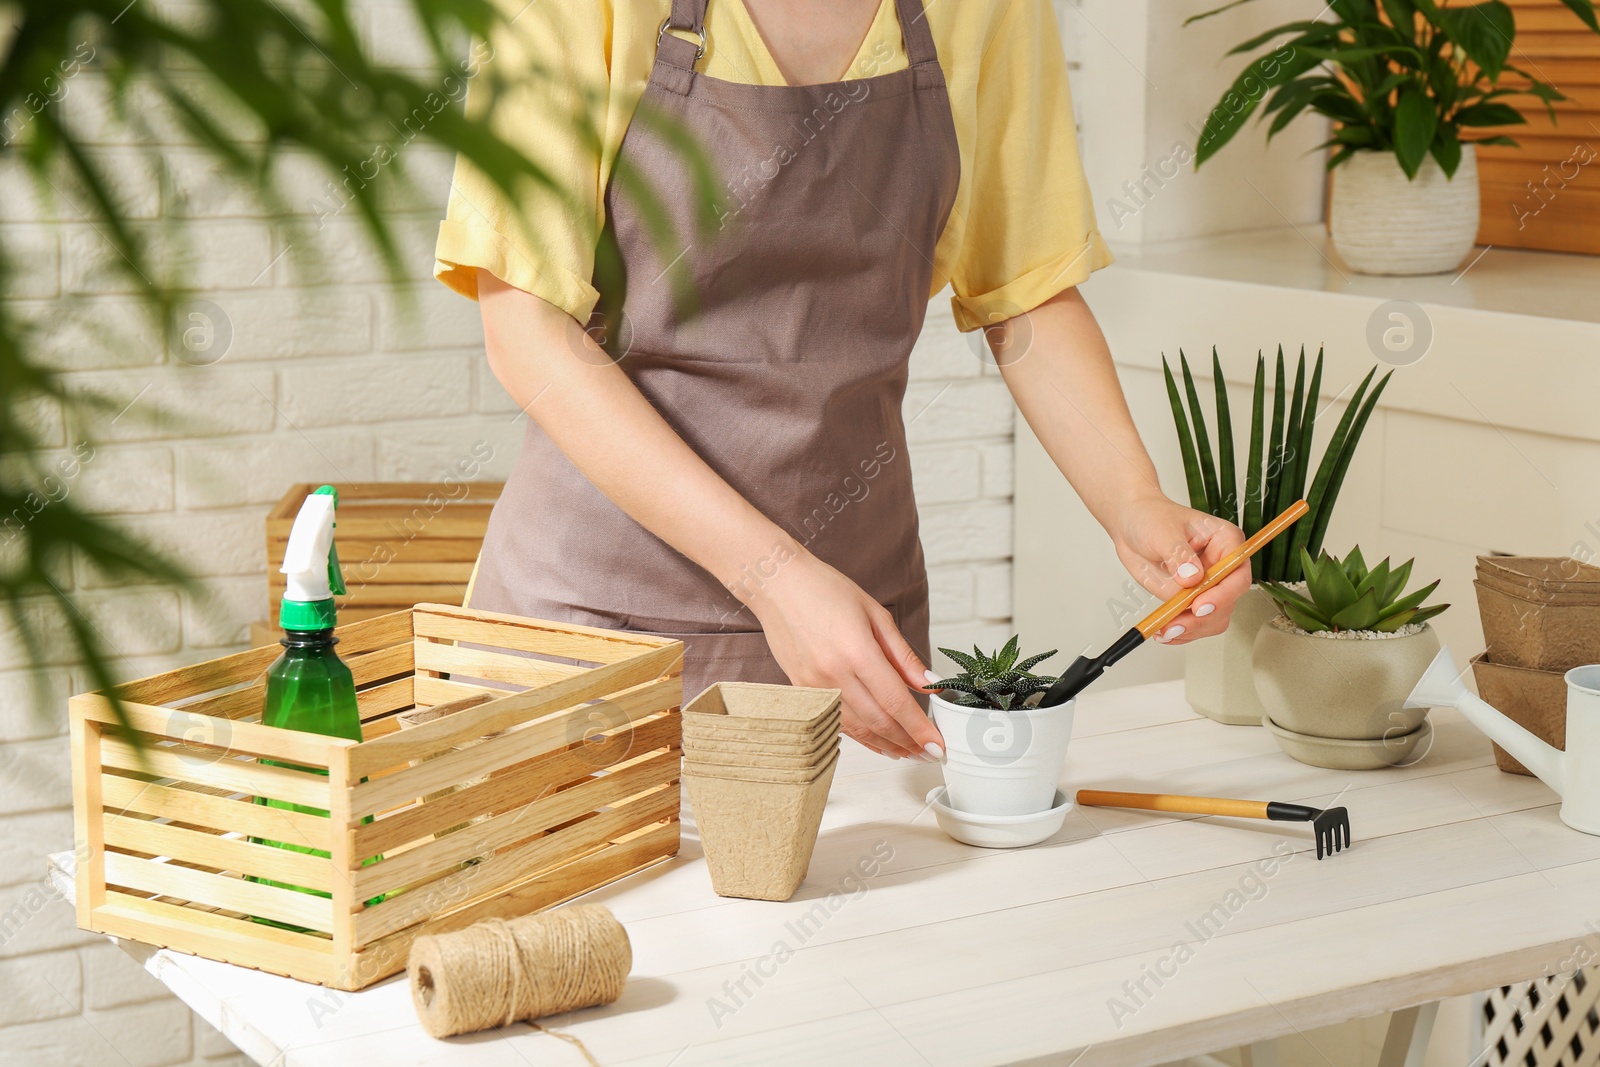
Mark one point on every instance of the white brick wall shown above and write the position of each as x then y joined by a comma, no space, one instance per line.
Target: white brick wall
326,377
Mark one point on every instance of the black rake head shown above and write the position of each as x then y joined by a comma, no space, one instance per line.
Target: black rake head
1332,829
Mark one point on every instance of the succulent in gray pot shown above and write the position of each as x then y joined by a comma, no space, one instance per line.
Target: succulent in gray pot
1218,675
1335,669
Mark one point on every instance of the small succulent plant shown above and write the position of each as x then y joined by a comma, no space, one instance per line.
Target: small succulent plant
996,680
1347,595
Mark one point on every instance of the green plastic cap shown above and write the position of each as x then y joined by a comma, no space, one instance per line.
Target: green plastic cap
307,615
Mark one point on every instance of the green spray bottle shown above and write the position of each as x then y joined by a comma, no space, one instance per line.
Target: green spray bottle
309,687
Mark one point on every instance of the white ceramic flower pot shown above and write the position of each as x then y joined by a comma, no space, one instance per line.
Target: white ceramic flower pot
1383,223
1002,762
1218,678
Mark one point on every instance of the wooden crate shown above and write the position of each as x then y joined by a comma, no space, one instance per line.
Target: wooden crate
400,543
564,780
1545,193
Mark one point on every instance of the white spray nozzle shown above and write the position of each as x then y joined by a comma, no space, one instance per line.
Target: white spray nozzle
306,560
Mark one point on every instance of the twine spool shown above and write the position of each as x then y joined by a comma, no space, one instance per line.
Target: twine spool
496,972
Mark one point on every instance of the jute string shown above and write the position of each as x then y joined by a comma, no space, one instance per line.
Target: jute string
496,972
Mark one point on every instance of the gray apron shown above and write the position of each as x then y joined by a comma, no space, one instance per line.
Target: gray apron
786,374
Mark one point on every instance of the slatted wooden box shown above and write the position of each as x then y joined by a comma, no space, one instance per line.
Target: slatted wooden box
552,778
400,543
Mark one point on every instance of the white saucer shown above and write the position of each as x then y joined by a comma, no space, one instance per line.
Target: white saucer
998,831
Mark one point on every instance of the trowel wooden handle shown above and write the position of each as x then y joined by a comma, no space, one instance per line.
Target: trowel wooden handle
1156,620
1239,809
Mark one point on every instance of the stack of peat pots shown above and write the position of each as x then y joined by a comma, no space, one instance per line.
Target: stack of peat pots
757,763
1541,617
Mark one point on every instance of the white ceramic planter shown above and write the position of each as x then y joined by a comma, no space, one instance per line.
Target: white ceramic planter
1218,678
1342,689
1002,762
1383,223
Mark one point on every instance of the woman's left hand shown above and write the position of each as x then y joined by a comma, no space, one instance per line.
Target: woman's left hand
1167,546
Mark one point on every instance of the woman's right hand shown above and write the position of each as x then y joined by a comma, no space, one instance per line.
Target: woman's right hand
826,632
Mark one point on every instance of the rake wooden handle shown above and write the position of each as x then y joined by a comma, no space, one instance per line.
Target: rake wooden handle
1156,620
1239,809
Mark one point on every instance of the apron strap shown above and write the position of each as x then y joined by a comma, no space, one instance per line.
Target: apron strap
914,31
688,16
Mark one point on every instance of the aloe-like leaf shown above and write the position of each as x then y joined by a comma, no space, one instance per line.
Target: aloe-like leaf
1377,580
1008,654
1354,565
1269,495
1347,450
1283,594
962,660
1278,559
1227,480
1029,663
1317,498
1424,614
1397,581
1411,600
1191,465
1307,621
1252,474
1202,439
1358,615
1390,623
1330,588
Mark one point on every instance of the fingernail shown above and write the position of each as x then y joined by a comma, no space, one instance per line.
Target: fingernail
930,676
1170,632
1188,570
1204,609
934,751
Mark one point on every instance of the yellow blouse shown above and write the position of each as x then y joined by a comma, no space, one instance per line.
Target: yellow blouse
1022,228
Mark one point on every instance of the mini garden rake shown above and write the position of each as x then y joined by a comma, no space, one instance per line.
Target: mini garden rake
1331,826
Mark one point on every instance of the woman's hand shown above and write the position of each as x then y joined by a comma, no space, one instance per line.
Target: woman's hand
825,631
1166,546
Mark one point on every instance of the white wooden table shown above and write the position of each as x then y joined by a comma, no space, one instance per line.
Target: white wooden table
1460,878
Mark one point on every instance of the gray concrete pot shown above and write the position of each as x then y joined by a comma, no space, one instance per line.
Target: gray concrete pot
1218,677
1348,688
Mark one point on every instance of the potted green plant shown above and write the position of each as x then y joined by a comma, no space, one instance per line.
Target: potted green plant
1334,670
1412,87
1218,676
1003,753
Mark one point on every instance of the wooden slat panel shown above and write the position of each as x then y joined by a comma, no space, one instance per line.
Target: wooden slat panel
216,937
429,690
588,644
435,738
221,813
190,682
229,894
509,868
452,767
221,734
367,668
238,776
515,785
220,853
366,555
483,838
490,666
632,852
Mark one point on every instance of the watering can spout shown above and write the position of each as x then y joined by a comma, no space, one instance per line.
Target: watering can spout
1441,685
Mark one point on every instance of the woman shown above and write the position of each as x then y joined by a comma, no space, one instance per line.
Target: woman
732,471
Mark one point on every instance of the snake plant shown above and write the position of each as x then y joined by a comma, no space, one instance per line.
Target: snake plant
996,680
1346,595
1278,461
